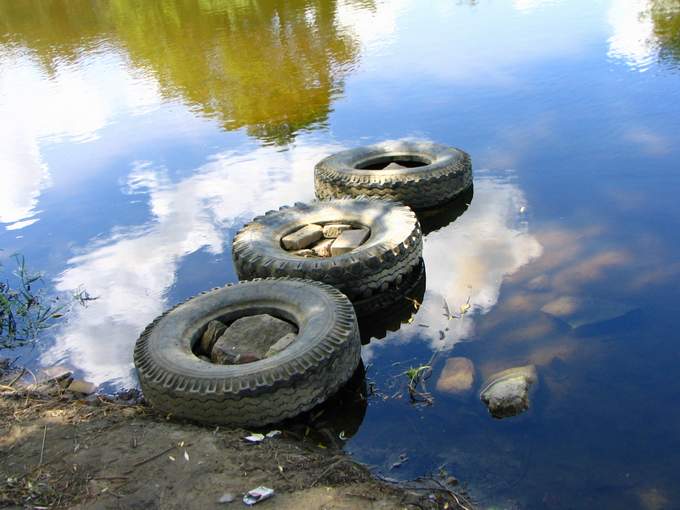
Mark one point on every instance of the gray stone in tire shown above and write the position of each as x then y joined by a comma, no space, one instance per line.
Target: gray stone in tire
393,249
302,238
321,359
210,336
448,174
348,241
250,335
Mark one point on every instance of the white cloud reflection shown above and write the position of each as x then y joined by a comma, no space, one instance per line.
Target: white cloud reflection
462,47
466,263
133,269
632,38
70,103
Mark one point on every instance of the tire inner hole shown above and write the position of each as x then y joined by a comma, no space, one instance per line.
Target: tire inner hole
239,338
325,239
403,160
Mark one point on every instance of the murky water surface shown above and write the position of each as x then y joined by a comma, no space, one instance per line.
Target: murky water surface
137,137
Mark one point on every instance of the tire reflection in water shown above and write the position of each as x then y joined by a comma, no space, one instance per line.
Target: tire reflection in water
336,419
434,219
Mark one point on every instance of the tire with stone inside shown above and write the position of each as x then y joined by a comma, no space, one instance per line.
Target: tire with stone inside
391,252
323,357
447,172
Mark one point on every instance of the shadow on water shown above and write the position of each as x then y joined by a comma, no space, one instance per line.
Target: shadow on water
405,302
338,418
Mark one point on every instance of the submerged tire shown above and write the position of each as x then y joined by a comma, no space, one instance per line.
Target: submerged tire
391,252
434,173
322,358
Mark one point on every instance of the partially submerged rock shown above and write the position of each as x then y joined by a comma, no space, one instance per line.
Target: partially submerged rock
249,339
507,392
540,282
581,311
457,376
303,238
348,241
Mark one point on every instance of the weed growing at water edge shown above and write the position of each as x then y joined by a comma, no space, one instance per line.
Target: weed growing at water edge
26,309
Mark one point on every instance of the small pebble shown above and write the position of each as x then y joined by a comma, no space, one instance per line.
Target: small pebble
227,497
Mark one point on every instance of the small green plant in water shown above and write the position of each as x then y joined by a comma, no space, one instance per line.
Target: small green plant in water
26,309
416,377
414,374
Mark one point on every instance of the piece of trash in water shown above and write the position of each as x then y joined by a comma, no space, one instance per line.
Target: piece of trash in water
258,494
258,438
171,458
403,458
186,455
254,438
227,497
342,435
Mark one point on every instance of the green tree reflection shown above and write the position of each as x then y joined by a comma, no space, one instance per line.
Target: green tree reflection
666,18
272,67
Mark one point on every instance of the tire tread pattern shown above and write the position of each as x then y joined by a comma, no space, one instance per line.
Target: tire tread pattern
256,399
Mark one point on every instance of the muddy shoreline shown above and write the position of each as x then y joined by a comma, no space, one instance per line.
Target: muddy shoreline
63,450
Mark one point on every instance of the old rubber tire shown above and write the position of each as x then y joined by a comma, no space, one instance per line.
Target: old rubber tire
322,358
391,252
444,172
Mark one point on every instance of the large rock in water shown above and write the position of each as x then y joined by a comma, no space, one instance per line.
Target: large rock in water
582,311
457,376
249,338
507,392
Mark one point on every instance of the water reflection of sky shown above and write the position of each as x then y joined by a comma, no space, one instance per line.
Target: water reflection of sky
133,269
466,264
126,167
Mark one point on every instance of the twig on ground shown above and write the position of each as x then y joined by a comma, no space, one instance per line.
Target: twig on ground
23,371
327,470
154,457
42,447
